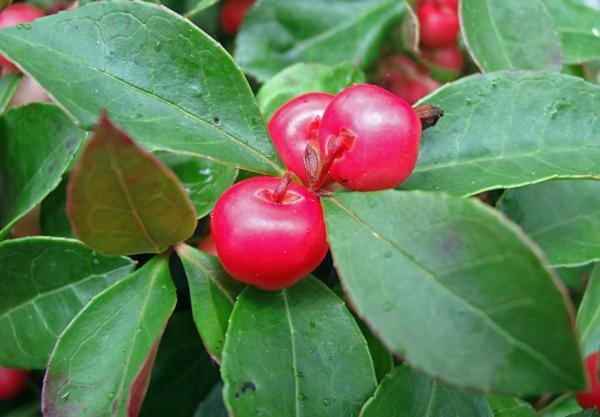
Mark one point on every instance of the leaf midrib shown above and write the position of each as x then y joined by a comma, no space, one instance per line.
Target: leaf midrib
293,351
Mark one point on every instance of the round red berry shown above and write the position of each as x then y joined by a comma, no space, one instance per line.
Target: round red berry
438,22
14,15
233,13
591,398
378,134
295,126
267,239
449,58
12,382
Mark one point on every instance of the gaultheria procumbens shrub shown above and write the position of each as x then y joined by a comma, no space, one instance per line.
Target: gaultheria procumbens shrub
256,212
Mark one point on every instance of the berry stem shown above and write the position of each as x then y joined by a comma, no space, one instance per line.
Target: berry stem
429,115
336,146
282,187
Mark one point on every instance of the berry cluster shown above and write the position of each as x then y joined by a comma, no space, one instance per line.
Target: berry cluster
270,232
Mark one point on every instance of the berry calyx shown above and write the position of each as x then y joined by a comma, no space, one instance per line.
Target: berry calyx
269,232
12,382
591,398
438,22
14,15
233,13
405,78
380,135
449,58
294,126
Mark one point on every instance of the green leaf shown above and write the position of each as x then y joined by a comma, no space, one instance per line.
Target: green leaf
213,293
36,145
278,33
8,87
510,34
44,283
122,200
53,213
203,180
183,372
406,393
102,361
440,292
509,129
383,361
161,78
579,30
510,407
304,78
296,352
200,6
574,277
588,316
212,405
561,407
563,217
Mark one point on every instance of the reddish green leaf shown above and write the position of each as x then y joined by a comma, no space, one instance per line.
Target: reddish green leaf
122,200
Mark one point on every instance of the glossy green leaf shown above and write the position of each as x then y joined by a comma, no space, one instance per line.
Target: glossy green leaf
102,361
278,33
579,30
122,200
161,78
563,217
487,305
510,34
36,144
561,407
44,283
203,180
588,316
213,293
182,373
509,129
304,78
53,213
510,407
212,405
295,352
8,86
406,393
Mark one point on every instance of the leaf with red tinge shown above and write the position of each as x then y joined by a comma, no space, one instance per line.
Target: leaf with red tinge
122,200
101,363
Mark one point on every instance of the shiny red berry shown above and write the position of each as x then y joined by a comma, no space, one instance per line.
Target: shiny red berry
438,22
375,135
591,398
405,78
12,382
295,126
268,235
233,13
449,58
13,15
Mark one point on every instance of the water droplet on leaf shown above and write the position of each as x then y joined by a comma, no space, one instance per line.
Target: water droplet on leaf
157,46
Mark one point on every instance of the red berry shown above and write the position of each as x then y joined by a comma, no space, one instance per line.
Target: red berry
233,13
12,382
296,125
438,22
377,135
449,57
267,237
591,398
13,15
405,78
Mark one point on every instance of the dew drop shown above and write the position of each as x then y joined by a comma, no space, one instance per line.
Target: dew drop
65,396
302,397
157,46
387,254
312,324
124,349
25,26
326,402
299,374
596,32
111,396
469,102
388,306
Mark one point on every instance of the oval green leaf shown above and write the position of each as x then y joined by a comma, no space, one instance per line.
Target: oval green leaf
295,352
44,283
182,373
510,407
122,200
213,293
203,180
588,316
509,129
100,364
36,144
510,34
406,393
304,78
431,276
563,217
278,33
154,72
